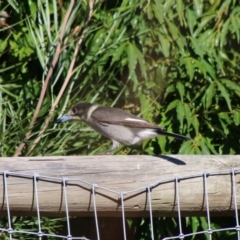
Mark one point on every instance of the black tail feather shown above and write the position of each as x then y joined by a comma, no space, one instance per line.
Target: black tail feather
175,135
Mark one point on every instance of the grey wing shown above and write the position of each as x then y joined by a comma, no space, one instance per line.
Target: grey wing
116,116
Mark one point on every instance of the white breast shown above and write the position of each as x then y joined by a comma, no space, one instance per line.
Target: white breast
121,134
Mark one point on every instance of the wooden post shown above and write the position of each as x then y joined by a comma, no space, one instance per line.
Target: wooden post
111,175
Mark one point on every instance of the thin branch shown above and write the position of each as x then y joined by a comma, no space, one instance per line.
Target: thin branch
46,82
68,77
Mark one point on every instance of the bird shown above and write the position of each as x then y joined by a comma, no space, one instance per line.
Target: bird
119,126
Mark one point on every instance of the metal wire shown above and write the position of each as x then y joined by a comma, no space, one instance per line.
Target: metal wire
10,230
64,181
181,236
123,216
35,178
205,175
95,209
235,203
131,193
150,209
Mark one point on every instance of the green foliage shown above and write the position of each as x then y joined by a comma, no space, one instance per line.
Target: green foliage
49,225
175,63
175,66
169,227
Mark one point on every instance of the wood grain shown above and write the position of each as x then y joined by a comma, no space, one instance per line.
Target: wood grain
120,174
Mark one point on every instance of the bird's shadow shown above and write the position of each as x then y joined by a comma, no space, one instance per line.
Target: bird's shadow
171,159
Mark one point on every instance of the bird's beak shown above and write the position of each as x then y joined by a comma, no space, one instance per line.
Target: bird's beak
64,118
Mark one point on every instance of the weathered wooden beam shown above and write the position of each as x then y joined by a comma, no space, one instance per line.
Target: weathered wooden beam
133,176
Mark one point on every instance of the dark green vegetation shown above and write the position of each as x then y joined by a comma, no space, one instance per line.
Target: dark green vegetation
173,62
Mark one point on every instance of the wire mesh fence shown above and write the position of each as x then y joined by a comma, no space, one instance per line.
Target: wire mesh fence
121,198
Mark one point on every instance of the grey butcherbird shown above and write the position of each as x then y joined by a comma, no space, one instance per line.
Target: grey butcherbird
119,126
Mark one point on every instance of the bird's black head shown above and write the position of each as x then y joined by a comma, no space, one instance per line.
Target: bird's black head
78,112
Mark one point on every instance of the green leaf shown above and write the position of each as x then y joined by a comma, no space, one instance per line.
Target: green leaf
213,8
230,84
162,141
194,225
186,147
173,30
191,19
158,11
209,68
167,5
236,117
201,68
132,58
224,126
204,226
141,61
118,53
171,88
235,23
180,113
98,39
203,146
199,93
181,89
165,45
195,123
180,11
225,116
203,23
210,93
198,6
188,114
3,45
196,150
210,146
190,66
224,94
197,47
224,33
172,105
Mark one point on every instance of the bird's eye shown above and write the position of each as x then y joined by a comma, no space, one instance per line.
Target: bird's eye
74,110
